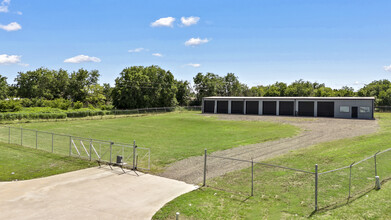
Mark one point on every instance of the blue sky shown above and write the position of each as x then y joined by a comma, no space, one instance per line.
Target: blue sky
337,42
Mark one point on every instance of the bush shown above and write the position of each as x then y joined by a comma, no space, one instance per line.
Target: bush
10,105
26,102
77,105
107,107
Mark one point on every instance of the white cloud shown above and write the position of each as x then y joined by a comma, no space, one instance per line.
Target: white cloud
137,50
196,41
189,20
9,59
194,64
19,13
163,22
81,59
387,68
4,6
13,26
157,54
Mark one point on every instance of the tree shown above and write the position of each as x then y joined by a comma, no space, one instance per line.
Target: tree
208,85
78,81
95,94
35,84
140,87
300,88
379,89
183,92
107,92
345,91
4,87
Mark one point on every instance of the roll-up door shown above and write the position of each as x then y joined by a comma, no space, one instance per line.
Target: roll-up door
325,109
237,107
306,109
222,107
269,107
286,108
209,106
252,107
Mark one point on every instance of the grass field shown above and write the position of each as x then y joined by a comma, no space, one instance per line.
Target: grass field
288,194
170,136
22,163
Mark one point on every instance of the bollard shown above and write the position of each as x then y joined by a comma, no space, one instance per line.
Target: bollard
377,186
177,215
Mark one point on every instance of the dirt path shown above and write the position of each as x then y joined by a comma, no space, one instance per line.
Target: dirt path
314,131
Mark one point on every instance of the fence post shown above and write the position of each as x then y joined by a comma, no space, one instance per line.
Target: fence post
376,163
177,216
36,139
111,149
9,135
70,145
252,177
21,136
316,187
52,143
134,154
90,148
205,156
350,178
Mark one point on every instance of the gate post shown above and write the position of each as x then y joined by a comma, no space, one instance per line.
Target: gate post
70,145
90,148
134,155
111,149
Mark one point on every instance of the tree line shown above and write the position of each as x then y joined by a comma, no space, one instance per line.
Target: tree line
152,86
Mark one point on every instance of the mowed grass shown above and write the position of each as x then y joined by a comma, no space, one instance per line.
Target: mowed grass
171,136
284,194
22,163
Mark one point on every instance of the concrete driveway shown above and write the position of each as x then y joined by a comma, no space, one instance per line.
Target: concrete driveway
94,193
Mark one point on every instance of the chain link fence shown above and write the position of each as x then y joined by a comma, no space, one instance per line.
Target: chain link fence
383,109
129,155
312,190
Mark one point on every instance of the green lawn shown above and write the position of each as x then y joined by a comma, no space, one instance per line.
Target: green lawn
170,136
22,163
288,194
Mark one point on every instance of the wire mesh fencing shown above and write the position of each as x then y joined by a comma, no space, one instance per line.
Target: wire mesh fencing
127,155
312,190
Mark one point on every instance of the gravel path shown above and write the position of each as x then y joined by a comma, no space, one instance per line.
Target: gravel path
314,131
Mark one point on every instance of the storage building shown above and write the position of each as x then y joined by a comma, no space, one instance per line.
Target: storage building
335,107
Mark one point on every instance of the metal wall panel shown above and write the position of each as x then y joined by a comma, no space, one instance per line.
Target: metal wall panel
237,107
252,107
269,107
222,107
286,108
325,109
209,106
306,109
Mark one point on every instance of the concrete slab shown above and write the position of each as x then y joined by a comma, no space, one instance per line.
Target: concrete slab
94,193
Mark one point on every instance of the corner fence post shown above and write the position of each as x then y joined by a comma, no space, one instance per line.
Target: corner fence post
205,156
316,187
252,177
134,154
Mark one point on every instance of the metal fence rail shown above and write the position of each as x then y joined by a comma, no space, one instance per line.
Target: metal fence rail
334,185
133,157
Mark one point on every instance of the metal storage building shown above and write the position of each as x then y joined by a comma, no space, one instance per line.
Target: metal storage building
335,107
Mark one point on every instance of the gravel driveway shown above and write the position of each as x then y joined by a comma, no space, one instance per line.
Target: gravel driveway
313,131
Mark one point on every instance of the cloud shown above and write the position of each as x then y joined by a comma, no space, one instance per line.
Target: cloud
9,59
82,59
157,55
4,6
13,26
189,20
163,22
19,13
194,64
387,68
137,50
196,41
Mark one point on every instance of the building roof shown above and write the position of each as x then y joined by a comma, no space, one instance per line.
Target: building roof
290,98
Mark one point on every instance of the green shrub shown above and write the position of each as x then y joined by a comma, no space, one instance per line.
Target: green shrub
26,102
77,105
10,105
